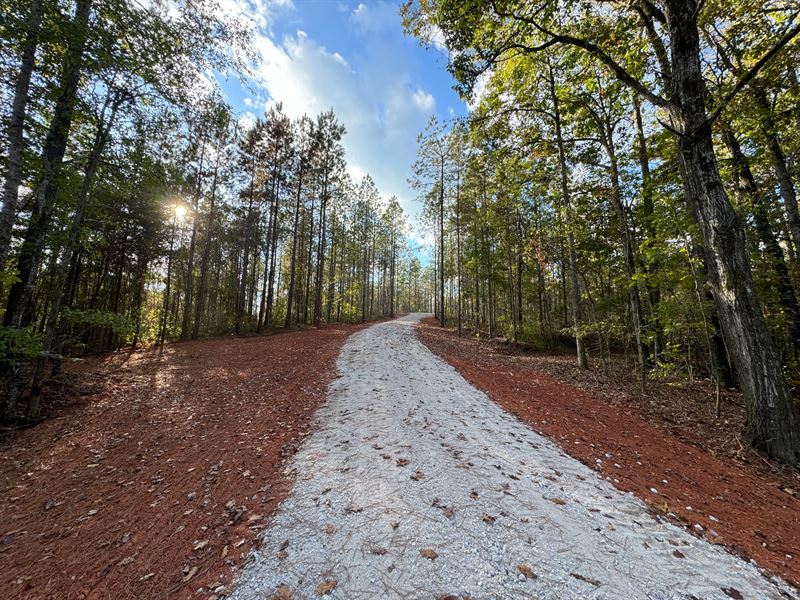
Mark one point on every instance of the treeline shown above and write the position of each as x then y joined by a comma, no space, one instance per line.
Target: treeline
627,178
137,208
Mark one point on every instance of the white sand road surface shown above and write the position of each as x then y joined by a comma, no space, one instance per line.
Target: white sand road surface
417,485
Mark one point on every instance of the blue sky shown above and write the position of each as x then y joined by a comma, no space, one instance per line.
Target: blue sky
352,57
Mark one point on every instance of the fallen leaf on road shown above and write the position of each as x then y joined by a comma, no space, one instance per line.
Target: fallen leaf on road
678,554
326,587
488,518
429,553
558,501
329,529
201,545
192,572
402,462
733,593
283,593
527,571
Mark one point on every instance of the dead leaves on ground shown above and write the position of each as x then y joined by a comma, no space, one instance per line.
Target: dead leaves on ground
283,593
527,571
326,587
429,553
282,552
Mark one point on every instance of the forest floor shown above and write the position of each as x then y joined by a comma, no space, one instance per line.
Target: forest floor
663,444
155,471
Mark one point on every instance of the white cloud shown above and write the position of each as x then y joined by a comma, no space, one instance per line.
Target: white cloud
423,100
378,104
376,17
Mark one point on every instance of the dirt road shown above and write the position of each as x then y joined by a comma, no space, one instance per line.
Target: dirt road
416,485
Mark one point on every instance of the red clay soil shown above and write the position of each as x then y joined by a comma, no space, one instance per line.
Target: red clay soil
156,471
643,443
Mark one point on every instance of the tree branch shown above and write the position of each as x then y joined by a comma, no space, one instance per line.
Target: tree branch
753,71
593,49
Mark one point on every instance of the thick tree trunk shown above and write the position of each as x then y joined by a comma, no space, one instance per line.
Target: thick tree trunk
772,425
15,129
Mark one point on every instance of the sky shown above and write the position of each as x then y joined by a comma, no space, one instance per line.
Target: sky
352,57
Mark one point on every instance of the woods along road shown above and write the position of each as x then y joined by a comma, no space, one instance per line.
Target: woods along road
417,485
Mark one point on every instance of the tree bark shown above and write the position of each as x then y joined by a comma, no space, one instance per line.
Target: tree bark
772,424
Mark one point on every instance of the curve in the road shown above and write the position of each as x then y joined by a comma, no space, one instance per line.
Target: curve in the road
417,485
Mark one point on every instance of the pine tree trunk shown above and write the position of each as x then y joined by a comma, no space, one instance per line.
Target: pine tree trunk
293,262
187,294
443,317
202,289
